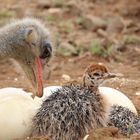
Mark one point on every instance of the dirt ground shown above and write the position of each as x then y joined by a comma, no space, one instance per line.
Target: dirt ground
75,29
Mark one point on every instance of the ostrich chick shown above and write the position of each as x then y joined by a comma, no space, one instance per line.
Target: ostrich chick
95,75
72,111
27,41
121,115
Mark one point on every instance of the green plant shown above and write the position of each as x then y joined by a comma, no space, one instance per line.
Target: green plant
132,39
97,48
109,49
85,22
81,20
51,18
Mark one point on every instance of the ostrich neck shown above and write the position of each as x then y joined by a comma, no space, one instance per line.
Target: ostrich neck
90,84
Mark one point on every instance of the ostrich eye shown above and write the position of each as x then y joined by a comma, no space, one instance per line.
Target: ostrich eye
47,51
96,74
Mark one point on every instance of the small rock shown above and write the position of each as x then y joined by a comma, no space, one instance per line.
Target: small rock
116,25
54,10
16,79
92,22
66,77
138,93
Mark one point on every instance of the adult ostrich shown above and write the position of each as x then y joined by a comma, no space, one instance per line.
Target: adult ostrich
27,41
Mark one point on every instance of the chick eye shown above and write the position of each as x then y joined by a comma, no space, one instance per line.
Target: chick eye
90,76
96,74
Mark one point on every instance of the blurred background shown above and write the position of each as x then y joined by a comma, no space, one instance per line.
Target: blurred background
83,32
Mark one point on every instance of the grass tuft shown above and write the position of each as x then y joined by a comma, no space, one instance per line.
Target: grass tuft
96,48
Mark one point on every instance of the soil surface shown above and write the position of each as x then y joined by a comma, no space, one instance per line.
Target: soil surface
112,22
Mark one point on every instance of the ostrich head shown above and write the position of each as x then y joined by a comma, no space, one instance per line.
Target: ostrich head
29,44
95,74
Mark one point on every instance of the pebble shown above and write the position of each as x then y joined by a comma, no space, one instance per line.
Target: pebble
15,79
66,77
138,93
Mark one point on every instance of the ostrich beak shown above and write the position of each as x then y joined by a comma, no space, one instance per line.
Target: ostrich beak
34,75
33,71
45,54
110,75
113,75
39,77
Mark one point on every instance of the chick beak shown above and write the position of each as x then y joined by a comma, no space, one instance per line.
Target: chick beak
110,75
38,75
